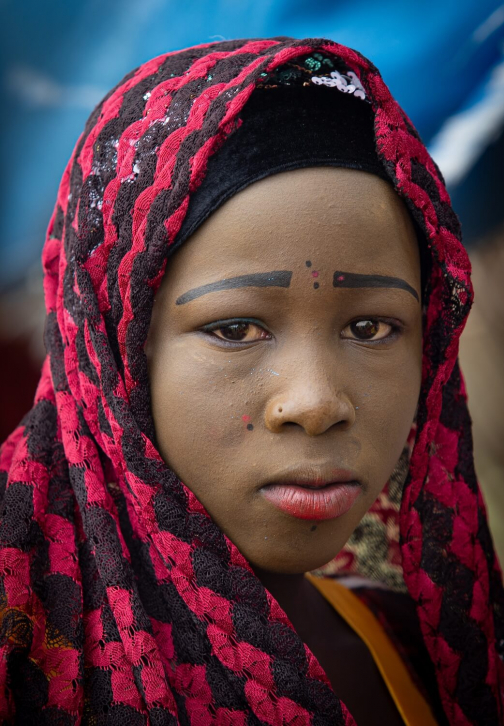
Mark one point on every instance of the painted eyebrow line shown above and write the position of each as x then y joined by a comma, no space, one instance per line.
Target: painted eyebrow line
276,278
353,279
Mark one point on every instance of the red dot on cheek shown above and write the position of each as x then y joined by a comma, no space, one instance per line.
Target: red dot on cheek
314,274
245,418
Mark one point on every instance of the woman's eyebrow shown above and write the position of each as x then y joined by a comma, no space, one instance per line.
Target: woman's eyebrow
277,278
354,279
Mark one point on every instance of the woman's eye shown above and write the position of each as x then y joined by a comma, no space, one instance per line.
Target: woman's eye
368,330
238,332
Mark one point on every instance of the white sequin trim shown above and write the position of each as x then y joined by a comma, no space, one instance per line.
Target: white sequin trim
348,83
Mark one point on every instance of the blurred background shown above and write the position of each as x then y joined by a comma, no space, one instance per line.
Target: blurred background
443,60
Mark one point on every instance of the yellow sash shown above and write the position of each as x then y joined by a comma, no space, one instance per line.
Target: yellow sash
410,703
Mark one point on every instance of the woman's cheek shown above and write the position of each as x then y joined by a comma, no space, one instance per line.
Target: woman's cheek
387,413
204,403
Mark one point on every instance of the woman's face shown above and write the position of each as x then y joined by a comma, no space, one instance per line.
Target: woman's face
285,370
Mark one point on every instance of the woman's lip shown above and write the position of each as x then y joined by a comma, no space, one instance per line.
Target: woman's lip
313,476
314,502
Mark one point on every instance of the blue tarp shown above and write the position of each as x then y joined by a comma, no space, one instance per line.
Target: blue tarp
59,58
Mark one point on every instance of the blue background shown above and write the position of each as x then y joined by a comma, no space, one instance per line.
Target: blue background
442,61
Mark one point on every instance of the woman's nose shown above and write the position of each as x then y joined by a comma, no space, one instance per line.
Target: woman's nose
314,408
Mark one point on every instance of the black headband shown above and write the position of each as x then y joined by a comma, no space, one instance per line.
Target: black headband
286,127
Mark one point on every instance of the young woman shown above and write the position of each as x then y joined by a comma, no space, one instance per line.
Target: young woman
255,288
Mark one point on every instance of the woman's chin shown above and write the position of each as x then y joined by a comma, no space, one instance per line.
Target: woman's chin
286,561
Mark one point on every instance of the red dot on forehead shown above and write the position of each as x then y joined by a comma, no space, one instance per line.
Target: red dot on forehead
245,417
315,273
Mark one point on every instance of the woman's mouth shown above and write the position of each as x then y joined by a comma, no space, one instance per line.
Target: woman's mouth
313,500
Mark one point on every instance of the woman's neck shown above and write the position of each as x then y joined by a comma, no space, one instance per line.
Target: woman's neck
293,592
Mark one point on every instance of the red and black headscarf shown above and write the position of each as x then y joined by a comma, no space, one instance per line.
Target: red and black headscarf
121,601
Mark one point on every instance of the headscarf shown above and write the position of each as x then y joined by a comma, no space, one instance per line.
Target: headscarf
121,600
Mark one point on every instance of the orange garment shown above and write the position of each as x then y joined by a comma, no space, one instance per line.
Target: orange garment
410,703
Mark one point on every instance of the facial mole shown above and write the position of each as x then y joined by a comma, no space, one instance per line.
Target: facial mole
313,528
316,285
308,263
280,409
250,427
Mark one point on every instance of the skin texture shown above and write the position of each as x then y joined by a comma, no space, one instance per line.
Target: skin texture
317,401
301,395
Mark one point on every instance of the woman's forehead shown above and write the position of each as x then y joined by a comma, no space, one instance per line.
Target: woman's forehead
324,215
